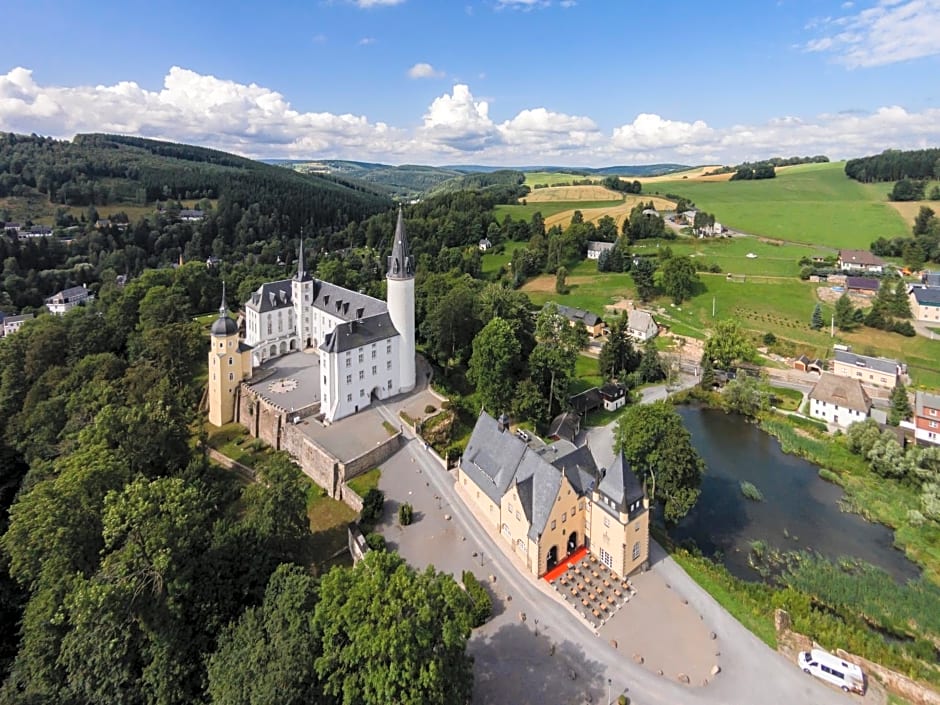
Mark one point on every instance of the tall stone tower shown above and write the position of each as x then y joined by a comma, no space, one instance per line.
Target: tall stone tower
229,364
401,302
302,299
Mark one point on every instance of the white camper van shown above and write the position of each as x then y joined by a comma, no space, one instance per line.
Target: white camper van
833,670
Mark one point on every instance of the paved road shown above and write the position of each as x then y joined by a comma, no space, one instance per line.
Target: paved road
514,665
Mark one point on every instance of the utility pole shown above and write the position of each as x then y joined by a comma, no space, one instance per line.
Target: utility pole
713,307
832,326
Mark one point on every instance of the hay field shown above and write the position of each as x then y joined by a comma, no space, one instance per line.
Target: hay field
537,178
908,209
571,193
619,212
694,174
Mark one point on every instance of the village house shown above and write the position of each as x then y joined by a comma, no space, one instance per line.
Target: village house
565,426
931,279
839,401
860,261
876,371
67,299
925,303
545,505
11,324
806,364
864,286
641,326
596,247
593,323
34,231
614,396
485,244
191,215
927,417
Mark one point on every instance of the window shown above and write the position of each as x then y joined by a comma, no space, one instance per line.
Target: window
362,374
636,550
362,392
388,365
932,424
360,357
553,524
506,532
510,508
572,511
373,353
348,362
606,522
231,361
581,505
349,397
390,385
373,370
520,546
564,517
348,379
636,527
932,412
324,379
388,348
517,515
231,376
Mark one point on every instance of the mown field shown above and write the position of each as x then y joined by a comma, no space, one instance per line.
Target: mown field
537,178
907,209
810,203
525,211
594,192
619,212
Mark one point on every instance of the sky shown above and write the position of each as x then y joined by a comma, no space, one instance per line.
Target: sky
496,82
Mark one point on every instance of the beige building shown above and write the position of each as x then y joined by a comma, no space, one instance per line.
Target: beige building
545,504
229,364
925,303
874,371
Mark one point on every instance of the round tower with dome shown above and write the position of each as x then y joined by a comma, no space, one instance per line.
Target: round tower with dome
229,364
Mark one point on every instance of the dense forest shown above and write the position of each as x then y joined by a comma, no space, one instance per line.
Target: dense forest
894,165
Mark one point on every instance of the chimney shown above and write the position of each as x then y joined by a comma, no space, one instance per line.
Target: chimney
502,423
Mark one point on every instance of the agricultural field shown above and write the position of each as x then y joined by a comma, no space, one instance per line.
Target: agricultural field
538,178
595,192
809,203
37,208
693,174
525,211
619,212
907,209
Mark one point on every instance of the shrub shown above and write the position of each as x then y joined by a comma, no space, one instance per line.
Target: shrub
623,700
429,409
829,476
751,492
482,603
372,505
405,514
904,328
769,338
375,541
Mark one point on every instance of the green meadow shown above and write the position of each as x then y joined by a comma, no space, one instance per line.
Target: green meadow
810,203
547,178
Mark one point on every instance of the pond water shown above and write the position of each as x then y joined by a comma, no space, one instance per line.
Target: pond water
799,511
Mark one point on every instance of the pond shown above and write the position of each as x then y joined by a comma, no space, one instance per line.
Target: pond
799,511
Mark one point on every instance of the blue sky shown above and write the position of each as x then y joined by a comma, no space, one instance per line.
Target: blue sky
513,82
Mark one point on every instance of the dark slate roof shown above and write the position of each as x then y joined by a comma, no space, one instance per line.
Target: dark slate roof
354,334
929,297
491,457
302,274
613,391
862,258
865,283
21,317
271,296
344,303
401,265
588,400
546,481
578,315
223,325
580,468
599,245
620,484
932,278
880,364
566,425
925,399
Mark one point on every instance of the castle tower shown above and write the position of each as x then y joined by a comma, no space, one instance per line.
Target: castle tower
302,298
229,364
401,302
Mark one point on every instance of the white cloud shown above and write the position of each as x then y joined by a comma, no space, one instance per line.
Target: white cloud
424,70
366,41
456,127
524,5
377,3
884,33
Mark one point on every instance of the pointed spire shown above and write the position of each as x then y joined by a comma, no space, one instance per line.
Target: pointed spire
223,324
223,309
401,265
301,269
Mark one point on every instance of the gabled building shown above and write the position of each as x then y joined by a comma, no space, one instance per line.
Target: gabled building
927,417
866,286
839,401
641,326
925,303
191,215
485,244
860,261
614,396
545,505
593,323
67,299
11,324
596,247
876,371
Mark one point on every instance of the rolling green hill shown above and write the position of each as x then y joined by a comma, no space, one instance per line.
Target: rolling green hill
811,203
407,180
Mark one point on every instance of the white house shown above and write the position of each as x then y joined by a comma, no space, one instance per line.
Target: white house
68,299
366,346
485,244
595,247
840,401
860,261
641,326
11,324
614,396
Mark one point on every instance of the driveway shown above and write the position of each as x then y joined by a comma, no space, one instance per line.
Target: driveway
552,656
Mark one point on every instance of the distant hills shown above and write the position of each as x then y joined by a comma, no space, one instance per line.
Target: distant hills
410,180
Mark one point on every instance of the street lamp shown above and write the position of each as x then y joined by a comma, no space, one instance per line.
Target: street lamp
481,558
608,691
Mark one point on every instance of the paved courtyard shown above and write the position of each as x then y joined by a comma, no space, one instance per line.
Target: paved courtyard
350,437
295,382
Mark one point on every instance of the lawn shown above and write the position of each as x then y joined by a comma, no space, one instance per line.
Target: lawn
786,399
810,203
365,482
232,440
328,520
586,375
773,258
493,262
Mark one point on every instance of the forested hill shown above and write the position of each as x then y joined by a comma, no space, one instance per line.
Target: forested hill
894,165
110,170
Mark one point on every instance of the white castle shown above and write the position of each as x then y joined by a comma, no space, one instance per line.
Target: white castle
366,346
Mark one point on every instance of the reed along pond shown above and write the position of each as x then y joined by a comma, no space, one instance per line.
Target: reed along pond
800,511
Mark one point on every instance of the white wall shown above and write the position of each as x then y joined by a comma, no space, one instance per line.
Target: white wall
348,378
834,414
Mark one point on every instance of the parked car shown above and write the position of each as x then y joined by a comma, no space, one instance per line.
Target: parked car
833,670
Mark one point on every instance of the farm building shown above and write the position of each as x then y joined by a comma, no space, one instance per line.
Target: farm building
806,364
866,286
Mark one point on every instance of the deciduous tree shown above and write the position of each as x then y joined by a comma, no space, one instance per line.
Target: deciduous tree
495,365
728,344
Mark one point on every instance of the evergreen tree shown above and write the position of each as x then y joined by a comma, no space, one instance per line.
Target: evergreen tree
618,356
845,312
651,367
708,375
900,305
900,405
817,321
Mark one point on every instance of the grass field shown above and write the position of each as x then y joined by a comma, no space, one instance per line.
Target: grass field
620,211
537,178
572,193
811,203
907,209
527,210
37,208
731,254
